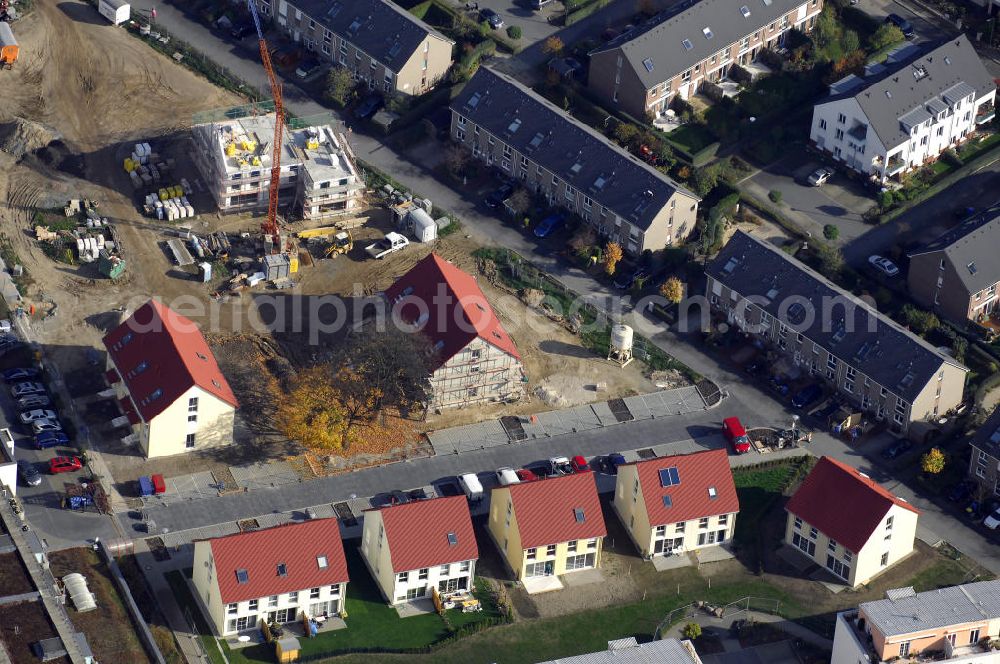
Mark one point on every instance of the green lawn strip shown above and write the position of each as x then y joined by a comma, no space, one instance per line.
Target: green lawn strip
691,137
758,490
182,593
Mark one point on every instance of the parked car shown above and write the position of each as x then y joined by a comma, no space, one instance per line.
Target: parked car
307,68
417,494
611,463
30,416
241,30
560,466
20,373
398,497
286,56
549,224
64,464
626,281
24,389
579,464
33,401
807,396
736,435
41,426
526,475
491,17
901,23
369,107
883,265
471,486
897,449
29,474
993,520
497,198
506,476
48,439
961,492
820,176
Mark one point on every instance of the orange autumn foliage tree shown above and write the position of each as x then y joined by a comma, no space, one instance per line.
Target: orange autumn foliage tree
310,412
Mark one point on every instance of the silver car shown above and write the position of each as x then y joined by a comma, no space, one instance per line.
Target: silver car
30,416
820,176
33,401
41,426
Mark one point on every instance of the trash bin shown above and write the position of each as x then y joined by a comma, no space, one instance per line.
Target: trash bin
159,486
146,487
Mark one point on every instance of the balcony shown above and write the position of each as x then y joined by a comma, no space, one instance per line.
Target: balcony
894,165
985,113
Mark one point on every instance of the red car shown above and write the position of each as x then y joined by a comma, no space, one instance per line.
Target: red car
736,435
64,464
526,475
579,464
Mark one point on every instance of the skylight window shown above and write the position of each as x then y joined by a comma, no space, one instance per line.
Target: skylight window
202,357
712,493
730,265
972,268
474,100
355,24
767,3
575,168
142,366
578,514
394,51
515,125
687,46
537,140
242,576
452,539
745,11
707,32
667,501
216,383
157,393
282,569
599,182
321,562
648,62
127,338
669,476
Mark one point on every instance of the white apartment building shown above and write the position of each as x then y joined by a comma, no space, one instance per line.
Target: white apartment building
903,114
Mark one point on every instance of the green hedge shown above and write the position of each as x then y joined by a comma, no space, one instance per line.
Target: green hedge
705,155
585,11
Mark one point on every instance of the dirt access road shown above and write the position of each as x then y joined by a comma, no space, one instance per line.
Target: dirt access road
80,90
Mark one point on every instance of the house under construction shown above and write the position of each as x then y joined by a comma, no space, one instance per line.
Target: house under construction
318,175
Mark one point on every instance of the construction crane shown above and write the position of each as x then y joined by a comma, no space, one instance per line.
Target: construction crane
270,225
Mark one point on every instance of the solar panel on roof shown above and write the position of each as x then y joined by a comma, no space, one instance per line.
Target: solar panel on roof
669,476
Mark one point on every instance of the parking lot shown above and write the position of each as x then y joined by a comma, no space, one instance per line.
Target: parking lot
841,201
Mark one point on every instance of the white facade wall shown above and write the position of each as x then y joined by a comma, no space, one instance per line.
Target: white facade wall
479,372
418,582
832,122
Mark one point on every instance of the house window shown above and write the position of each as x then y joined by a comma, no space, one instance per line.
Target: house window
904,648
679,528
403,577
974,636
293,597
193,405
813,533
888,523
231,608
723,519
314,593
592,544
885,559
465,566
189,441
661,531
445,570
422,576
272,601
703,522
798,523
253,604
832,545
550,550
532,553
571,547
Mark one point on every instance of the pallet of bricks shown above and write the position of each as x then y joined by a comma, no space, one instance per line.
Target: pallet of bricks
148,171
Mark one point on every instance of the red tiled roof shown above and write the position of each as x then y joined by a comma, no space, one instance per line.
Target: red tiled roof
259,552
417,533
456,309
545,510
176,355
690,499
843,503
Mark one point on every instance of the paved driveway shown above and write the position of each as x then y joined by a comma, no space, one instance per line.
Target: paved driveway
840,201
535,26
926,26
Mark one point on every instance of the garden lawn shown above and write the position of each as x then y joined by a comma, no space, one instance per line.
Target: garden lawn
692,138
758,490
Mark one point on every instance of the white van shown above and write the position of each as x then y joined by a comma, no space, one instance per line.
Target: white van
506,476
471,486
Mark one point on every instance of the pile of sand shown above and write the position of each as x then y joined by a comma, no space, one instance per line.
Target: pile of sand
550,397
19,137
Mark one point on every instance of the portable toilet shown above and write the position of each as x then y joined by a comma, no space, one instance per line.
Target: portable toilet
424,228
8,45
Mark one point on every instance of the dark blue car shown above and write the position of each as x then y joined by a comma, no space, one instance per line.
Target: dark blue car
549,224
50,439
807,396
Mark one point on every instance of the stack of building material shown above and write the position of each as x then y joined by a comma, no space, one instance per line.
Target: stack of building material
88,248
43,234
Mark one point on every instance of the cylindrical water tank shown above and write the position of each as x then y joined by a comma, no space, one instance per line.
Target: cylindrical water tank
621,337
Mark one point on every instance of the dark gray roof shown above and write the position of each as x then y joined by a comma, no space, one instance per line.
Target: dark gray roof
987,436
659,49
917,83
877,347
972,247
568,148
628,651
906,612
381,29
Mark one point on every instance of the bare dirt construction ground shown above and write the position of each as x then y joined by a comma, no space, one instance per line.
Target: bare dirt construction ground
108,628
91,89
